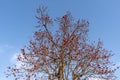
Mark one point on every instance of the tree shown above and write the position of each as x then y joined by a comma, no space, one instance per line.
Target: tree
66,54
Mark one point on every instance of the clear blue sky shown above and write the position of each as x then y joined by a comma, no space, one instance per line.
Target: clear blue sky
17,23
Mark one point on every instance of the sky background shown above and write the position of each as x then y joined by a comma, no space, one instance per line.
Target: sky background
17,24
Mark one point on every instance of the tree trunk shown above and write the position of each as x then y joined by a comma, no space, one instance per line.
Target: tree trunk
61,69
